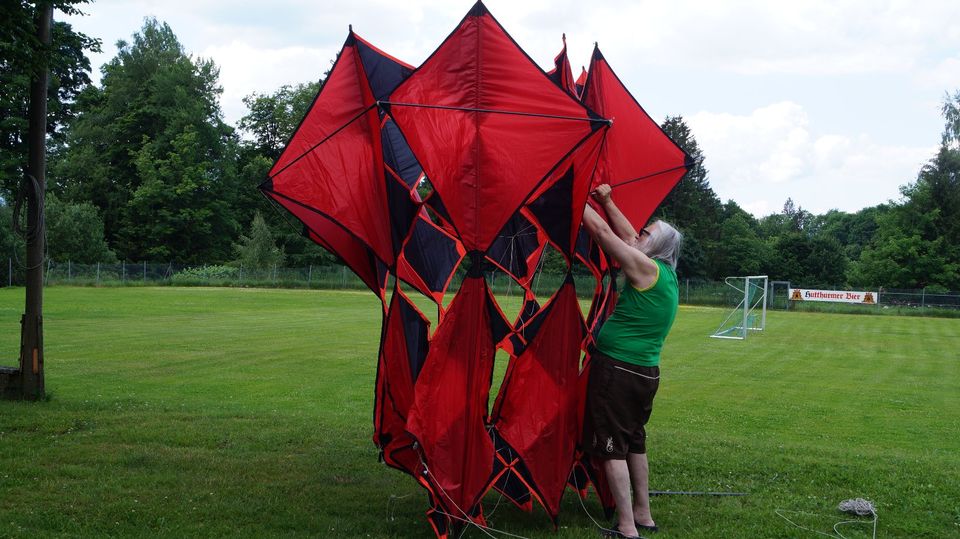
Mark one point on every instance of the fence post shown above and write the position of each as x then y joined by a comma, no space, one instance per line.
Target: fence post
98,274
123,271
10,271
69,271
241,273
144,272
309,275
274,273
923,297
343,277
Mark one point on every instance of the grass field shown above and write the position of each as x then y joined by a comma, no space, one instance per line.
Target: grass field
247,412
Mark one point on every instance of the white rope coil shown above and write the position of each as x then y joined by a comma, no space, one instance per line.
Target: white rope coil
858,506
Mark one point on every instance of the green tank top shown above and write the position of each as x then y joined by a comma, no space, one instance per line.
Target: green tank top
635,331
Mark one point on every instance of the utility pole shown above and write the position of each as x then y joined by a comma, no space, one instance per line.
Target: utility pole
27,382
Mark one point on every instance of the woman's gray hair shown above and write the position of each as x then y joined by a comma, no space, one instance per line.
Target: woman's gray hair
665,243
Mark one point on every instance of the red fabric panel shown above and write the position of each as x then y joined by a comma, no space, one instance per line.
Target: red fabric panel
334,162
538,415
395,393
484,163
561,73
635,148
450,402
338,241
582,79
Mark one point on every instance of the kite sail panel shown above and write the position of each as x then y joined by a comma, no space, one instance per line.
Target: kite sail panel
561,74
639,161
487,125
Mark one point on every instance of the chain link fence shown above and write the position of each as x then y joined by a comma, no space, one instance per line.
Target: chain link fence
692,292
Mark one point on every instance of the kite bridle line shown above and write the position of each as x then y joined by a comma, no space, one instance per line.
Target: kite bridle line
511,254
493,111
465,518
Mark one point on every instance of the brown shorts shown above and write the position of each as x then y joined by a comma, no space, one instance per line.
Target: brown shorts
619,402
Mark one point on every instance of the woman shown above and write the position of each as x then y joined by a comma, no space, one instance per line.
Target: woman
625,372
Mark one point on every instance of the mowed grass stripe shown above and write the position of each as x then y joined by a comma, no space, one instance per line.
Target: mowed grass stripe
232,412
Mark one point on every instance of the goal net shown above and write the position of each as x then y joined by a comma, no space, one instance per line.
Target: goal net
751,313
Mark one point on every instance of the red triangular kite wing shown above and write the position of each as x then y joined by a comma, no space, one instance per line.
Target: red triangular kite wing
638,160
333,164
561,74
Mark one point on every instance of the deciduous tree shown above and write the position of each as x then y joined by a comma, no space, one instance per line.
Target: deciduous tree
150,150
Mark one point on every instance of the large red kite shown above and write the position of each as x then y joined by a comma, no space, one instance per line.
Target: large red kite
474,163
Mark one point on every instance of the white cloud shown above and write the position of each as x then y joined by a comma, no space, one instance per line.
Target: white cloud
801,95
245,69
762,158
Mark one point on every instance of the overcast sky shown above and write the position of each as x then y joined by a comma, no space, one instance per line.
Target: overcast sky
833,103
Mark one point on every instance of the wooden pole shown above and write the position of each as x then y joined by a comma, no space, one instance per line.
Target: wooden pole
31,336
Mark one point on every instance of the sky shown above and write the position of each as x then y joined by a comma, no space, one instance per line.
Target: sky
832,103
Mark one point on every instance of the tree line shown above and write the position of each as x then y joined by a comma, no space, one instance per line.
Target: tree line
143,167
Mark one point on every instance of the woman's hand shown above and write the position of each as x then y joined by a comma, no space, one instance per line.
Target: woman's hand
602,194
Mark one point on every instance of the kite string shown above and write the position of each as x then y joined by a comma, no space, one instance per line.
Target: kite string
465,518
585,510
857,506
391,507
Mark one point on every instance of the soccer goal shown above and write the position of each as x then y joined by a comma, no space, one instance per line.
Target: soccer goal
751,313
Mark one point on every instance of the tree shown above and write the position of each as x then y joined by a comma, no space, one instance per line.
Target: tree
274,117
259,250
951,113
10,245
917,243
739,249
75,233
271,121
853,231
150,150
69,74
692,205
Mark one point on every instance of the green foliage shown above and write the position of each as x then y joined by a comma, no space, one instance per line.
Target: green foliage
899,260
951,113
917,243
852,230
739,249
150,150
259,250
20,54
75,233
177,211
274,117
205,275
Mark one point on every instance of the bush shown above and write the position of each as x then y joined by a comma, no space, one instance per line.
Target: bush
205,275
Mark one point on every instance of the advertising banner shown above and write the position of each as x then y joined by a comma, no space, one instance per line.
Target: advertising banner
842,296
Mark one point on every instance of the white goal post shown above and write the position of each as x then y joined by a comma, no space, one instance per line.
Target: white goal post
751,313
